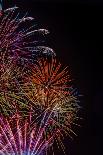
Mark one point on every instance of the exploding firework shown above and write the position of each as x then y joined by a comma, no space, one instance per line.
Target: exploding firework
48,81
38,97
21,136
19,39
11,78
34,134
48,88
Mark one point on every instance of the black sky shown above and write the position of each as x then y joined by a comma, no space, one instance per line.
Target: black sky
76,35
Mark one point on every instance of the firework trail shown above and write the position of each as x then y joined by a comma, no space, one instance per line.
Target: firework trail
54,108
48,80
11,78
38,97
34,135
20,39
49,88
19,44
18,136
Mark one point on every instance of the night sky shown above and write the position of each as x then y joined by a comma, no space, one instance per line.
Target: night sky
76,35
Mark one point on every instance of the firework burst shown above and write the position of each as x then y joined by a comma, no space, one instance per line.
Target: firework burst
48,81
34,134
48,88
19,39
11,78
38,97
20,136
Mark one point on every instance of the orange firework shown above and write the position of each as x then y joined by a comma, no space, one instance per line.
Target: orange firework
48,88
48,80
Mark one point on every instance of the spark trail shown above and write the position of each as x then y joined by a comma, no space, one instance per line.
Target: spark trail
19,37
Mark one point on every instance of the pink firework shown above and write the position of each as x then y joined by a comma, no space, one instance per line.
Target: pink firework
19,38
22,136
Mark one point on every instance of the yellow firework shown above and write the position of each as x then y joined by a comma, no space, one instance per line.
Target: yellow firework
11,77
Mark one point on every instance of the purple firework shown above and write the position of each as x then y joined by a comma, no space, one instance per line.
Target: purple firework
19,136
19,38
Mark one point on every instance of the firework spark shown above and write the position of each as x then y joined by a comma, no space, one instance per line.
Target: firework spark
48,80
19,39
40,94
19,136
11,77
34,135
48,88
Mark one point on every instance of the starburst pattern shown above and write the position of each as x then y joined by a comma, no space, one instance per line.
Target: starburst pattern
19,136
48,82
37,97
48,88
34,134
19,39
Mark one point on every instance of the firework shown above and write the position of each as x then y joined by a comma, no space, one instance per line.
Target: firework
48,80
20,39
34,134
21,136
11,78
38,97
48,88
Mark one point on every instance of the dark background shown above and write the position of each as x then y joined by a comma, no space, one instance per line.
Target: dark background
76,35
